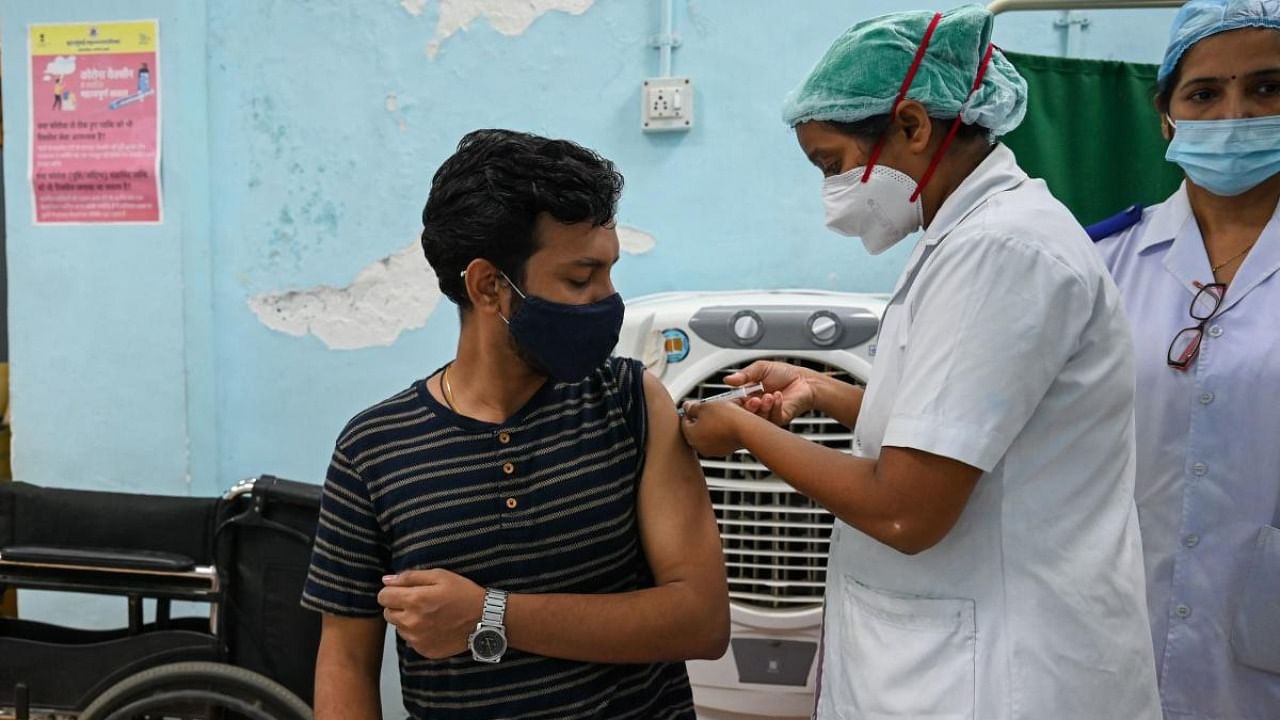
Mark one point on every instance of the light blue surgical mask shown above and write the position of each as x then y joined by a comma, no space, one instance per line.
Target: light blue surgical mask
1226,157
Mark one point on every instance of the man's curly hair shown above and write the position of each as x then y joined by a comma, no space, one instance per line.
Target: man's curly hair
486,198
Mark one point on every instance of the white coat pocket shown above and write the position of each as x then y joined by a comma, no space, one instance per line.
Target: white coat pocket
1256,628
902,657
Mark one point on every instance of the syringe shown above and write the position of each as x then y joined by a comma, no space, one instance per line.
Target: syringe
734,394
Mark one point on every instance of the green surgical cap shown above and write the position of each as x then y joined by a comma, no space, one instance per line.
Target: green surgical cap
862,72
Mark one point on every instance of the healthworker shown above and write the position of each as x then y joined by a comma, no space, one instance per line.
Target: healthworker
1198,276
986,562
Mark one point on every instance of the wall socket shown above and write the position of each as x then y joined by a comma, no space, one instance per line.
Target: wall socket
666,104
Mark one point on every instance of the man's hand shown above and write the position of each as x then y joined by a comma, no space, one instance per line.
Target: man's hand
435,611
713,429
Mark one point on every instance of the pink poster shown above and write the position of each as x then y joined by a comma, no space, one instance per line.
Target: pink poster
95,123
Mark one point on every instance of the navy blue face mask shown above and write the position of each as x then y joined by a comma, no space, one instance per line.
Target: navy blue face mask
567,342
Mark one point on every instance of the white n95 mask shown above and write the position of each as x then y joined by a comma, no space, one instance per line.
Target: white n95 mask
881,211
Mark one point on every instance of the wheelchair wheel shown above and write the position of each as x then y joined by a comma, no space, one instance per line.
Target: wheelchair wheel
197,690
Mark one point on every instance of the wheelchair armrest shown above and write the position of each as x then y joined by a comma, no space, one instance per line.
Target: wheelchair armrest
99,558
110,572
289,491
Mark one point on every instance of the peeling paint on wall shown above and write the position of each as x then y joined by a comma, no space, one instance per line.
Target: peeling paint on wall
392,105
394,294
635,241
413,7
507,17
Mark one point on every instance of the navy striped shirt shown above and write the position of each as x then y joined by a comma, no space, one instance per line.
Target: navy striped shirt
543,503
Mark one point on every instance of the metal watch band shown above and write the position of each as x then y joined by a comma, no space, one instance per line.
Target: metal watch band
495,607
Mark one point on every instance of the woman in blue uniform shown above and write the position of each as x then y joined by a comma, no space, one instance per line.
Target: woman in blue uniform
1200,282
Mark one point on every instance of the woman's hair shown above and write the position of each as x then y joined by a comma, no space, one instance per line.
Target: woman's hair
1164,91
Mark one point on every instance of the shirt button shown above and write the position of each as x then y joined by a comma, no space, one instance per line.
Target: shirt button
512,503
1215,331
508,468
504,437
1191,540
1206,398
1199,469
1182,611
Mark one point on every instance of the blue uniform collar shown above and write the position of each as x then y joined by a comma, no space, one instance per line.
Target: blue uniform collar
1168,219
1187,260
1262,262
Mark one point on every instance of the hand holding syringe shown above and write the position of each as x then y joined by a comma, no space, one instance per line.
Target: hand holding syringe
734,394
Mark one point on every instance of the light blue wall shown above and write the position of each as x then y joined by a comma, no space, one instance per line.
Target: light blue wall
304,134
137,363
110,327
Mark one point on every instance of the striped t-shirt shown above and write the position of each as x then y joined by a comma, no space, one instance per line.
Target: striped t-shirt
543,503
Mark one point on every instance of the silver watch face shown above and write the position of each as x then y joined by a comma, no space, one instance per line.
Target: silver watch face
489,643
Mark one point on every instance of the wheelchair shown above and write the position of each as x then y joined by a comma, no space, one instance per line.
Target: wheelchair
243,556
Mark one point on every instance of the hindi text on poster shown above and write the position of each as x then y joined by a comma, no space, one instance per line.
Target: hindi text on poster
95,122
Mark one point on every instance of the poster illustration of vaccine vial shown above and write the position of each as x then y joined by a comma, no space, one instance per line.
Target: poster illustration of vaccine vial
95,122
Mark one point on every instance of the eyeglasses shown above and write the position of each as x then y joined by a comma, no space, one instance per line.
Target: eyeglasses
1186,344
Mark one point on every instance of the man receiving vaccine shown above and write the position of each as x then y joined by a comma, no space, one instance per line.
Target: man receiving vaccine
528,518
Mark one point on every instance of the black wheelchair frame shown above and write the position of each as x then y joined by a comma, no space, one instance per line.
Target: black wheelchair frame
245,555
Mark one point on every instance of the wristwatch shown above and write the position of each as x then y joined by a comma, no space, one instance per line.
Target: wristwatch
488,641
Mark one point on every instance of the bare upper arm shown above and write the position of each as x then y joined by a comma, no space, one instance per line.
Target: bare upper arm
677,526
348,666
929,494
354,643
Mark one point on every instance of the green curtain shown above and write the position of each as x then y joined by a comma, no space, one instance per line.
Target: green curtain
1092,134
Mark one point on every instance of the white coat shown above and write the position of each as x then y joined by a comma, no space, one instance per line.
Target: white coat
1004,347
